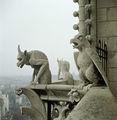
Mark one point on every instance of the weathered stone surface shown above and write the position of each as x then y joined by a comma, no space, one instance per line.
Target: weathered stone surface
93,2
106,3
112,13
93,26
107,29
93,12
112,74
82,29
101,14
113,87
81,13
82,2
112,59
97,104
112,44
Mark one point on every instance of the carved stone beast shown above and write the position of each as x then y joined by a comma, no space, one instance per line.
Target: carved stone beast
87,62
64,67
39,62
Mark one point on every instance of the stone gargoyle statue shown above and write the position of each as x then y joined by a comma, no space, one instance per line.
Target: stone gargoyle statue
64,67
88,62
39,62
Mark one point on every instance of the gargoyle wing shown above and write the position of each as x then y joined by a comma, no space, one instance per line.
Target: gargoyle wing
75,59
96,60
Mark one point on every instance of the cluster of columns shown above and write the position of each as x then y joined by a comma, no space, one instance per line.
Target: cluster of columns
87,19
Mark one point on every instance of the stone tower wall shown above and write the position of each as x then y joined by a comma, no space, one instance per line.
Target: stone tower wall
107,31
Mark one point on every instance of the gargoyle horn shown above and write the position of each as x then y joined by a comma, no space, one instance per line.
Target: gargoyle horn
19,49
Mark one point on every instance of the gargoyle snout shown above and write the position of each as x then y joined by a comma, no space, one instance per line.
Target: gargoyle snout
20,63
71,41
18,91
74,42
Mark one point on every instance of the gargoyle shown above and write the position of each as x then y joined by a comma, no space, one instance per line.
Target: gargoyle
87,62
39,62
63,67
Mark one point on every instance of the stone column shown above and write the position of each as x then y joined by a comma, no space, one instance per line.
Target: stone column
87,19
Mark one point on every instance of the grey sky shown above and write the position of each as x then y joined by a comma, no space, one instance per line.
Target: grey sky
44,25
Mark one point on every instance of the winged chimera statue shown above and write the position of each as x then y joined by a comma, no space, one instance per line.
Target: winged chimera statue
87,62
64,67
37,60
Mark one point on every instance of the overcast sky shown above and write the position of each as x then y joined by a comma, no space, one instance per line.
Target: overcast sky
45,25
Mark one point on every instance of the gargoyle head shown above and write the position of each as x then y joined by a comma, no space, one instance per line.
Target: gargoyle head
22,57
59,60
18,91
79,41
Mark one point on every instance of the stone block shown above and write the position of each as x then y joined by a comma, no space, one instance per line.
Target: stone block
112,74
113,88
112,59
106,3
112,44
107,29
101,14
112,13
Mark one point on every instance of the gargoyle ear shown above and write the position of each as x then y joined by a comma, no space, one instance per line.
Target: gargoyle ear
25,52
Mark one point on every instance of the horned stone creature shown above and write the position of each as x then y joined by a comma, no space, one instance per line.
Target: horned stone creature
39,62
64,67
88,62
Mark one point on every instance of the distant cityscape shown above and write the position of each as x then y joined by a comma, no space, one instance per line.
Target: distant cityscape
10,103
